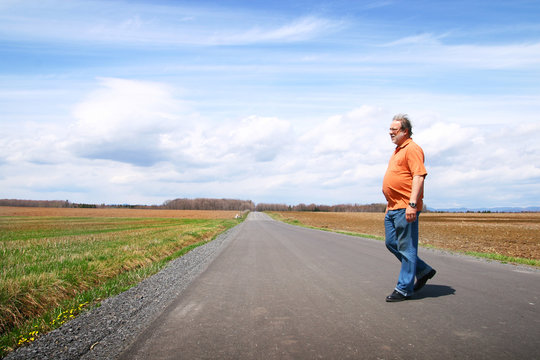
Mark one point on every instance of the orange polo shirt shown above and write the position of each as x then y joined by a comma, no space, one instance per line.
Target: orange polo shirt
406,162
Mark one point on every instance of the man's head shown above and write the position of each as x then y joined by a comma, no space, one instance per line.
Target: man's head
400,129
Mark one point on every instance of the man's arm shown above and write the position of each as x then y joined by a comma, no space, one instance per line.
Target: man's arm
416,192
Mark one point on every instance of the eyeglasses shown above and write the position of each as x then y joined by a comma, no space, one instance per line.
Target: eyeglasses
395,130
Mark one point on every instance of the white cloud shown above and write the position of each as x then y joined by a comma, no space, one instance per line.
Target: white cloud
296,30
128,121
154,25
430,49
122,107
480,165
491,57
32,142
260,137
423,40
135,137
232,146
441,138
358,131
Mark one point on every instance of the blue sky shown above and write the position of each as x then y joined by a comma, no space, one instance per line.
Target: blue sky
285,102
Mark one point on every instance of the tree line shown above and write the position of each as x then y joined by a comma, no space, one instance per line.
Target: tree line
322,208
209,204
36,203
203,204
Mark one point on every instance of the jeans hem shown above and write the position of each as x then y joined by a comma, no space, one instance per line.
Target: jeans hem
402,292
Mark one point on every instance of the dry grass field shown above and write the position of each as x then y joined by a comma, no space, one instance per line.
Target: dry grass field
112,212
54,262
507,234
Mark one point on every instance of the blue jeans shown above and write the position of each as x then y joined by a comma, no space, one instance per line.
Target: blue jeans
402,241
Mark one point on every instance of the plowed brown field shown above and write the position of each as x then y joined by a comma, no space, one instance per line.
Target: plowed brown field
508,234
113,212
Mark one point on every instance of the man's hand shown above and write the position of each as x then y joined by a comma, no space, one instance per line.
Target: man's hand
417,192
410,214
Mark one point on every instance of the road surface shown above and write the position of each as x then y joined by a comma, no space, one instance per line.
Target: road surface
284,292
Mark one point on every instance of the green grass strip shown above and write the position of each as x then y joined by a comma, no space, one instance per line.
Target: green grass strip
86,300
504,258
298,223
62,226
70,308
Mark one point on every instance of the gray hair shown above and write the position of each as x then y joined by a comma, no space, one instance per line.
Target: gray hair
405,122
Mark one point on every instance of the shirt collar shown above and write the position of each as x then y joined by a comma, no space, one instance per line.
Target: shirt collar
405,143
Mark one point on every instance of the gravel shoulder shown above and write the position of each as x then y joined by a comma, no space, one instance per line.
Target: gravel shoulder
106,331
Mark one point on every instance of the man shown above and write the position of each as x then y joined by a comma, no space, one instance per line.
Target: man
403,187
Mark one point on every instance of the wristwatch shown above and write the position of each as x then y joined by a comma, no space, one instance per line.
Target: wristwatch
413,205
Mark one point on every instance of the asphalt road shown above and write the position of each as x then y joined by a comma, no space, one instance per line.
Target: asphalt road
284,292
